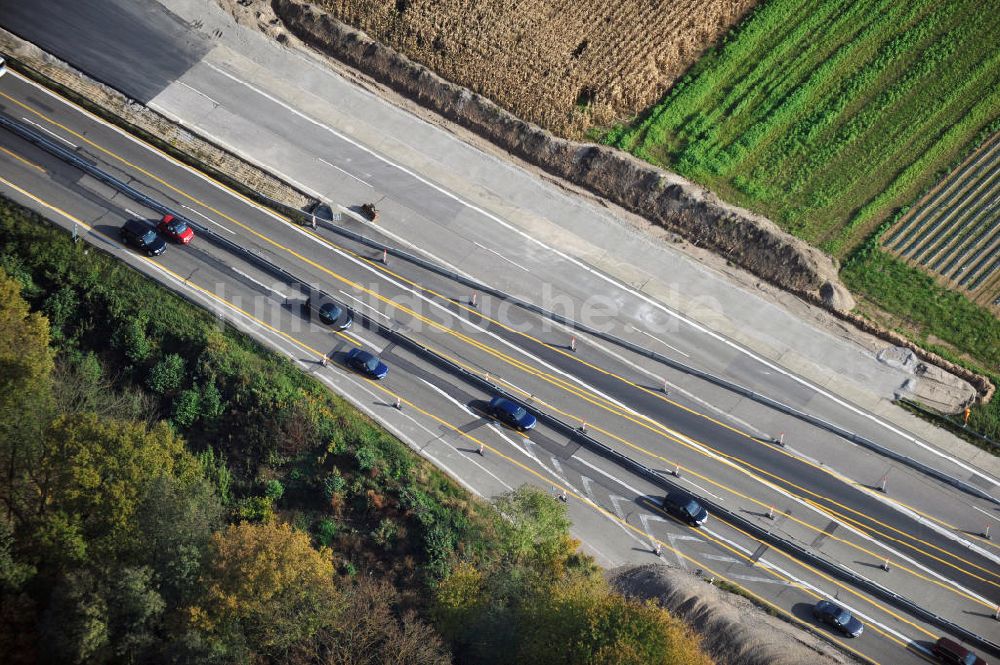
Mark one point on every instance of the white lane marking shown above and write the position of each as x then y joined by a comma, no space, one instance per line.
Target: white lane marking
364,304
448,397
991,516
588,488
609,476
258,282
199,92
718,557
638,294
762,580
694,484
50,133
207,218
350,175
656,339
134,213
493,251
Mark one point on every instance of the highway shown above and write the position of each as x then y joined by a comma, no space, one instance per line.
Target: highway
440,411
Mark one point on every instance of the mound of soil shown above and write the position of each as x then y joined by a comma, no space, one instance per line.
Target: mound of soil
733,630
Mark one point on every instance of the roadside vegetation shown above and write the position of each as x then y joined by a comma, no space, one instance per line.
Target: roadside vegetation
173,492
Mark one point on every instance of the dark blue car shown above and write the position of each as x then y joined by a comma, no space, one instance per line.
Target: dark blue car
685,507
834,615
511,414
367,363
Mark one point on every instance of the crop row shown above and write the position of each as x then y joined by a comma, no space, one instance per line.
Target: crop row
827,116
955,232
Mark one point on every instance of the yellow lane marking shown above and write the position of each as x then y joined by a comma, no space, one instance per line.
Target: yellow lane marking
21,159
556,381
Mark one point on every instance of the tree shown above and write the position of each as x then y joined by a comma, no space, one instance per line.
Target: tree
96,471
369,632
266,585
25,393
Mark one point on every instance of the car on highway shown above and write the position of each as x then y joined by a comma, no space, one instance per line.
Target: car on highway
366,363
332,314
511,414
951,652
685,507
175,229
142,235
838,617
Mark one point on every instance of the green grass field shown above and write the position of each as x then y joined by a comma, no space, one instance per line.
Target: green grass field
827,116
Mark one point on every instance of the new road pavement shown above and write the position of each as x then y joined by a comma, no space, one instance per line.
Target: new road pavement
916,550
919,538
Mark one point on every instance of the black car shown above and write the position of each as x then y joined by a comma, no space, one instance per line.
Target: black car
333,314
511,414
142,235
366,363
834,615
685,507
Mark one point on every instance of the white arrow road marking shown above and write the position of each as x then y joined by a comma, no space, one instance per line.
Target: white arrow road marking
616,501
646,519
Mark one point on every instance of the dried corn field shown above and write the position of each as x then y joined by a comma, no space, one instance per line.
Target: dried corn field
564,64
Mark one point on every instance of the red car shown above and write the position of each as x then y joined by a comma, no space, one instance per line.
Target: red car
175,229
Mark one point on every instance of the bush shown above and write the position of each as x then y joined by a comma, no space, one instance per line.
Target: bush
166,375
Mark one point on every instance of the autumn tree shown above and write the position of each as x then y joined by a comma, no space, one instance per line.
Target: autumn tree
25,393
265,586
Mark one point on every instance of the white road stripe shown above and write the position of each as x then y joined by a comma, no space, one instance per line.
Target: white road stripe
350,175
493,251
199,92
50,133
134,213
364,304
258,282
363,342
209,219
657,339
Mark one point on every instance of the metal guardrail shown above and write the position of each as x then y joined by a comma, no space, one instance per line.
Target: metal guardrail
865,442
650,474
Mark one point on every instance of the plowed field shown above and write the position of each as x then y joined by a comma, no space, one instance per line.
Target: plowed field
564,64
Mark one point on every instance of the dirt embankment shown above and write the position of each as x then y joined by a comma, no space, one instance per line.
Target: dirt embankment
748,240
734,631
